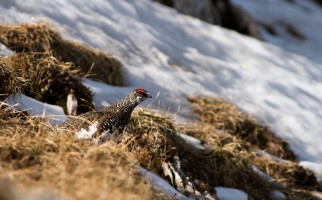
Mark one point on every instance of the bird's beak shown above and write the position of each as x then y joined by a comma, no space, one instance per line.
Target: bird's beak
148,95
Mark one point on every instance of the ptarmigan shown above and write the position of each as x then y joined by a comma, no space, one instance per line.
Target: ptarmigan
107,123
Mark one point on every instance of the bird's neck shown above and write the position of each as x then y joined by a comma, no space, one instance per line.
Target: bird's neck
127,104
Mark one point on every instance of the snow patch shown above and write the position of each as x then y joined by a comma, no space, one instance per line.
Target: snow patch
55,114
224,193
277,195
192,140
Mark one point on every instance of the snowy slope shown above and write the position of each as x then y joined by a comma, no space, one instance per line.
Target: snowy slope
176,55
304,15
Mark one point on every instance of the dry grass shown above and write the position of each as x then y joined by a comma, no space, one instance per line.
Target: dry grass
50,80
288,173
8,113
35,154
150,137
29,37
98,65
12,82
155,141
225,116
221,127
43,37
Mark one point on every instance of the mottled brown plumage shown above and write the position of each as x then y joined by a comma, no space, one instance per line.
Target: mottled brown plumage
110,120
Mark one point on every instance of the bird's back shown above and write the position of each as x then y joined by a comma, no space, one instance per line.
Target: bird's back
84,120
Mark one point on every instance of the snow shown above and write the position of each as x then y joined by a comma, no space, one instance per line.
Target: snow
55,114
4,51
305,16
277,195
192,141
173,56
224,193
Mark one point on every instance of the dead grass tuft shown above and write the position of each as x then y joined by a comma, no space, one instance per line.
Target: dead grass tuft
155,141
7,112
98,65
290,174
29,37
50,80
36,154
10,82
301,194
286,172
225,116
43,37
220,127
151,138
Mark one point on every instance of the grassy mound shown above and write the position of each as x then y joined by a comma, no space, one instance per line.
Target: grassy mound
35,154
50,80
224,126
288,173
42,37
155,141
227,117
228,161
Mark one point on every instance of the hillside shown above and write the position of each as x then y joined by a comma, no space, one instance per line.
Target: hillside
232,111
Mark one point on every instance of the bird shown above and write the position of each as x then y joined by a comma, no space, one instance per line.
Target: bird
106,123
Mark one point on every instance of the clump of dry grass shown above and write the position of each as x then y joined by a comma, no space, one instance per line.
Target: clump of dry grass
29,37
301,195
155,141
43,37
7,112
151,138
98,65
35,154
225,116
288,173
10,82
222,127
50,80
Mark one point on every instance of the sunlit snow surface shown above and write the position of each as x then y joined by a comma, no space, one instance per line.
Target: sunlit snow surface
55,114
176,55
224,193
304,15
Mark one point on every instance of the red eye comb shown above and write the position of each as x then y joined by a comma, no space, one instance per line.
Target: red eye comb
140,90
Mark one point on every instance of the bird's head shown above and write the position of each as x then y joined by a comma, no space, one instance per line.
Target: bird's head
141,94
133,99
